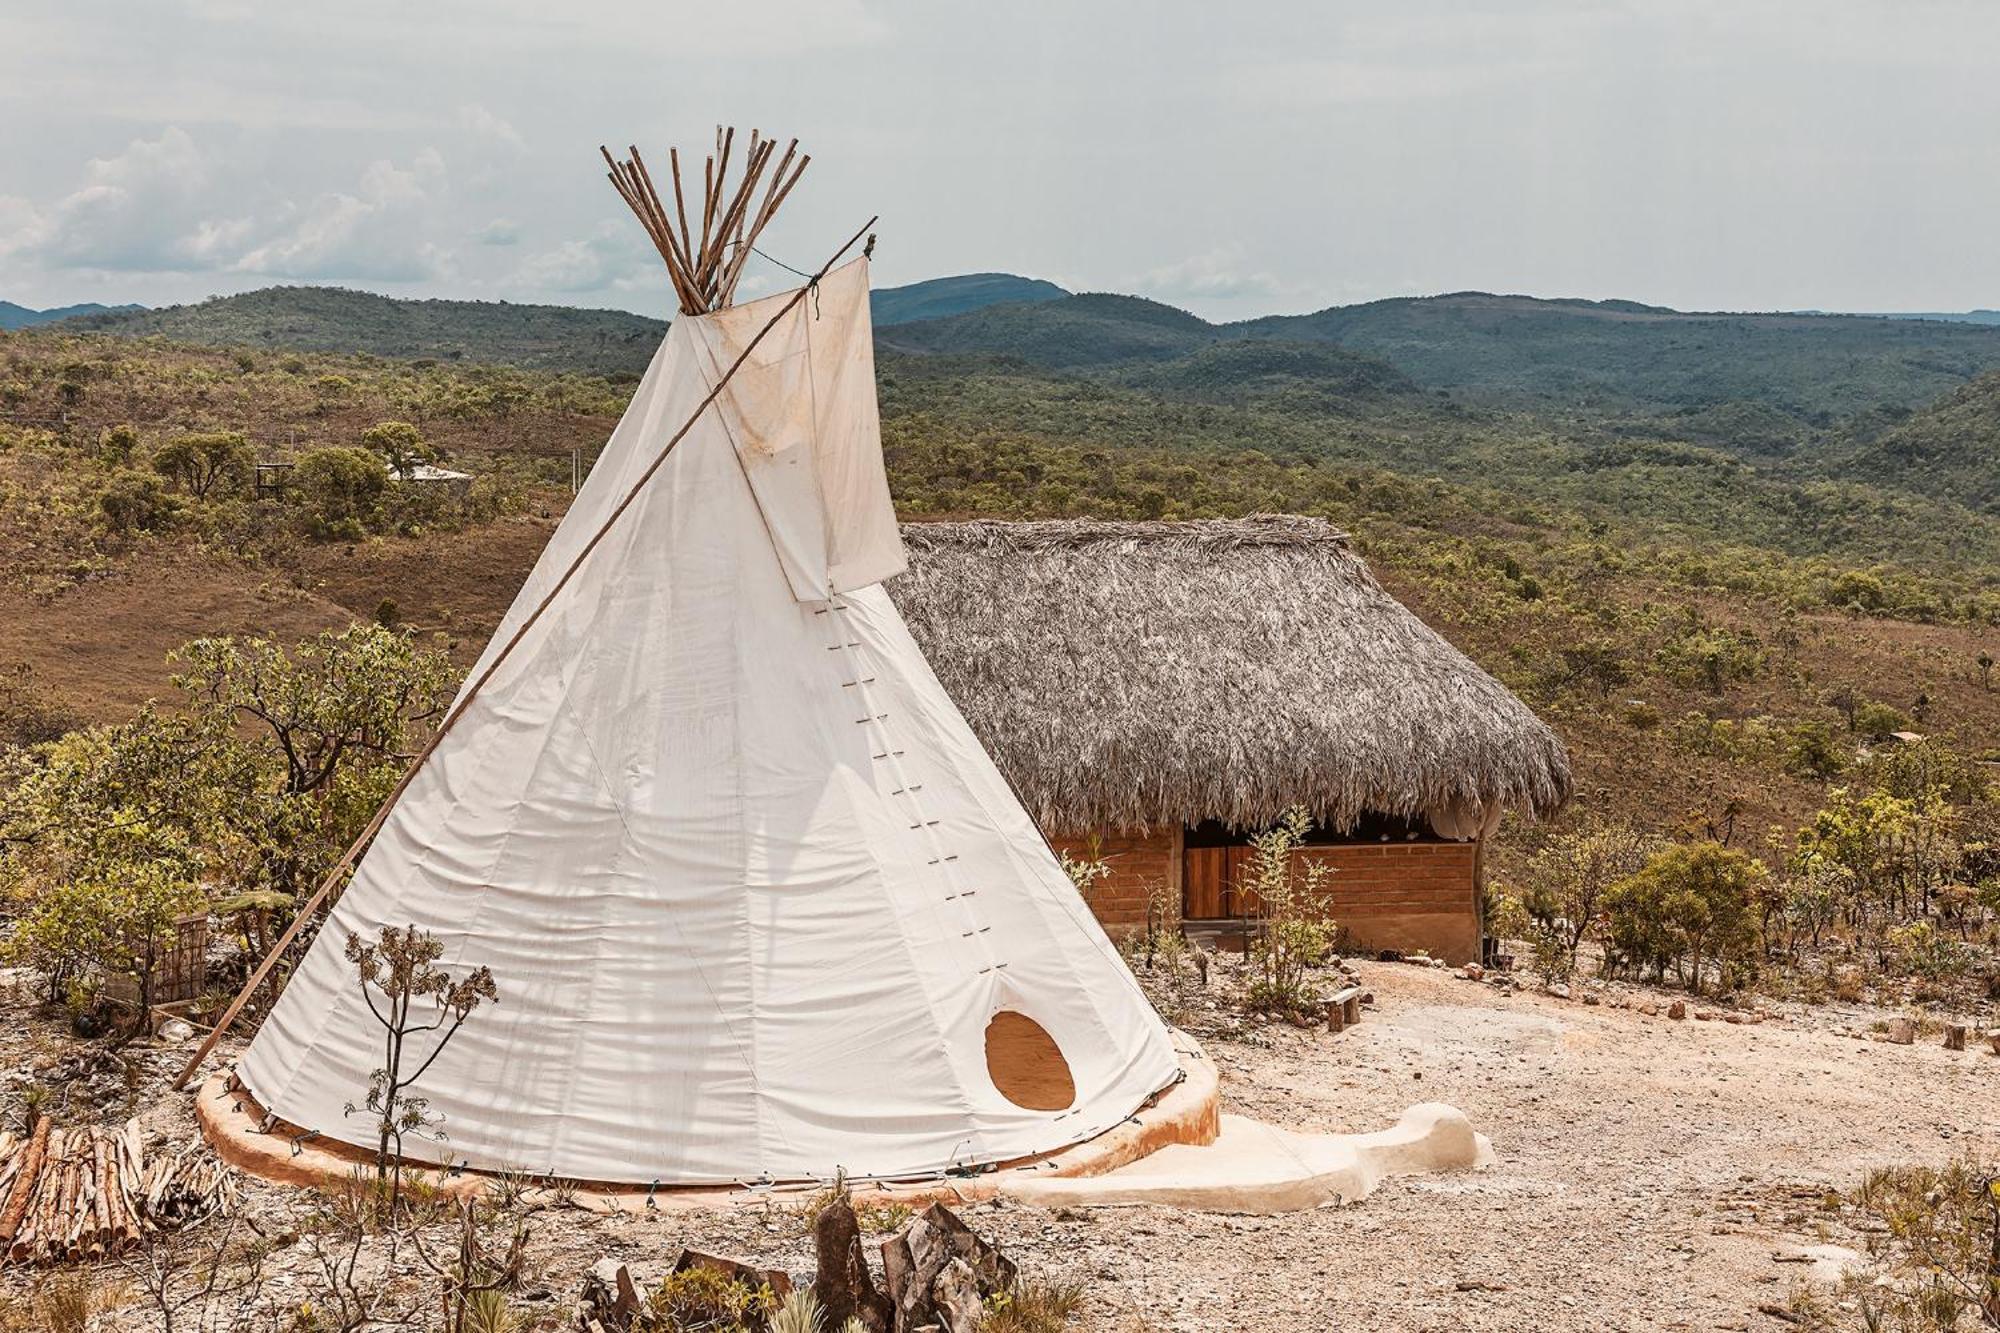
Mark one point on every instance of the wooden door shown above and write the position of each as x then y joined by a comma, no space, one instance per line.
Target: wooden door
1241,901
1204,880
1210,880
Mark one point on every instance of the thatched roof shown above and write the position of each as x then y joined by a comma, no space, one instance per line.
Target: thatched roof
1146,674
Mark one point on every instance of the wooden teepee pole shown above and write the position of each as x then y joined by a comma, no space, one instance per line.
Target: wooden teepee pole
367,835
705,267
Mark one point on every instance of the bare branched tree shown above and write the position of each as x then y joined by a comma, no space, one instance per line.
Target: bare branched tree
417,997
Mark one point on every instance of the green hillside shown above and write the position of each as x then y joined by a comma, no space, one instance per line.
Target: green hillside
1950,449
1813,434
1309,376
939,298
1095,329
14,316
1017,440
1618,354
334,319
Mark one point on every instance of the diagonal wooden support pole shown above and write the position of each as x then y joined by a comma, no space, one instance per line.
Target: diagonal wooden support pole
367,835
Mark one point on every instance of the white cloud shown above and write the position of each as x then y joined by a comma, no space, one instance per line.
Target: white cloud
373,233
129,213
147,210
500,231
609,258
1222,273
482,121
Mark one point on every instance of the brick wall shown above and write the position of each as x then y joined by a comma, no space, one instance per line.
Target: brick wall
1407,896
1410,895
1139,863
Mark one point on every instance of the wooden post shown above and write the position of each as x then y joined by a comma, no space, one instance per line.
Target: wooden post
24,1180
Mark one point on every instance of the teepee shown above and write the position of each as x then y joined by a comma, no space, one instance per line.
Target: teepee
757,903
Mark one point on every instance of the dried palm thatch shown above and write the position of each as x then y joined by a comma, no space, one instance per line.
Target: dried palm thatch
1132,675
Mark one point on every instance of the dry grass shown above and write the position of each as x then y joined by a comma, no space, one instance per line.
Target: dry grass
1034,1305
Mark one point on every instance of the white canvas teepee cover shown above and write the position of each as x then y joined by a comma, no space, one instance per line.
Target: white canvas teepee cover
750,888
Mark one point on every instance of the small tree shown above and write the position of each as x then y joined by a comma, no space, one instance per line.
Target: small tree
338,492
337,715
211,462
1291,895
401,446
1689,907
134,502
1569,880
105,836
402,968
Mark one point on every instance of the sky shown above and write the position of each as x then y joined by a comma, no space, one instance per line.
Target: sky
1265,156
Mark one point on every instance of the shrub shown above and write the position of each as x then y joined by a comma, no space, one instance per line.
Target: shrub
134,502
338,492
1937,1232
1876,721
1085,871
1292,892
1812,750
1711,659
1032,1306
704,1300
1569,881
401,446
1922,950
1689,908
116,444
1641,716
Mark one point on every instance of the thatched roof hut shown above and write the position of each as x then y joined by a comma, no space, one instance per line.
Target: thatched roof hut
1135,675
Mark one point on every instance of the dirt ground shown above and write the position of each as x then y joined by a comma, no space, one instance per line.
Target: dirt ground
1649,1173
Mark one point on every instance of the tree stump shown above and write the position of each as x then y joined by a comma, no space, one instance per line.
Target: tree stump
609,1298
841,1280
916,1257
1954,1036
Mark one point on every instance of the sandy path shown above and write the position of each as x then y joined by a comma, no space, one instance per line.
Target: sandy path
1648,1169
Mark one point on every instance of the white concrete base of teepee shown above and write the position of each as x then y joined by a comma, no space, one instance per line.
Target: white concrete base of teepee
1257,1168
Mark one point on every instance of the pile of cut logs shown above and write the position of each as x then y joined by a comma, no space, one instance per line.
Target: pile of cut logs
89,1192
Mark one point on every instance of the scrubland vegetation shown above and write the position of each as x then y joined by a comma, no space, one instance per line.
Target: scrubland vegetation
1769,644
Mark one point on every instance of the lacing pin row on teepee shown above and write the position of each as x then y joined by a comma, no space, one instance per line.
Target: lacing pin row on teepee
974,928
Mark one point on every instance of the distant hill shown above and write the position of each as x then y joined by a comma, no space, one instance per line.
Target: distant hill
1309,376
1950,449
1954,316
21,317
1596,355
941,297
334,319
1756,384
541,337
1076,331
1619,354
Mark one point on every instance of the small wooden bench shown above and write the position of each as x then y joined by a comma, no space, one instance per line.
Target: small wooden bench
1343,1008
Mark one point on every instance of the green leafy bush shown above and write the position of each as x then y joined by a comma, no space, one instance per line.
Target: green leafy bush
1691,910
338,492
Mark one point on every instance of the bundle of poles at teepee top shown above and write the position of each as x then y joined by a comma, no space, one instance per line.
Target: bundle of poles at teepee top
706,268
